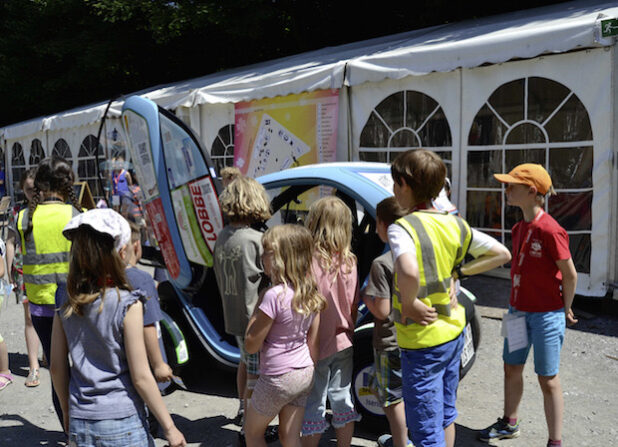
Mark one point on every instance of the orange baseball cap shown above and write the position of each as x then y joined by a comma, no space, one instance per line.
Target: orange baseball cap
528,174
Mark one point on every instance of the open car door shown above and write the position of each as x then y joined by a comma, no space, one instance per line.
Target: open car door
180,197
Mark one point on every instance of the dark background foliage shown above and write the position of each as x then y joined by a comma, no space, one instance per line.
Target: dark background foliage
60,54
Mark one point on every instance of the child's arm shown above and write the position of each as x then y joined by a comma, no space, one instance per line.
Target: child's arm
59,368
142,377
257,330
408,280
569,284
313,341
496,256
10,253
162,371
379,306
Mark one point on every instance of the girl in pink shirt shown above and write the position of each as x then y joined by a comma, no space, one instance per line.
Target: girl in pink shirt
284,329
334,267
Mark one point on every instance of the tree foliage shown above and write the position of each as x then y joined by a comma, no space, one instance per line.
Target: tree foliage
59,54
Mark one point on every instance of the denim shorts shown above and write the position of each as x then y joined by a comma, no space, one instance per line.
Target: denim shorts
430,380
131,431
251,360
332,379
386,383
546,334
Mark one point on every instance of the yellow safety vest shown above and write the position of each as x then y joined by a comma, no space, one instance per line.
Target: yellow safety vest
442,241
46,251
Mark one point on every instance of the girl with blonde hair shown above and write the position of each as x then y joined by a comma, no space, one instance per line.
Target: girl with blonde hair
284,329
334,268
100,324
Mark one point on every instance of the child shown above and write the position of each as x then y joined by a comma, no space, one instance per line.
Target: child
284,330
100,325
334,267
377,296
131,253
428,247
44,249
14,265
238,269
6,378
544,280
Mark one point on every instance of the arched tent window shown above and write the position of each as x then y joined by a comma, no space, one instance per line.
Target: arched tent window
62,149
222,151
18,167
406,120
87,164
532,120
36,153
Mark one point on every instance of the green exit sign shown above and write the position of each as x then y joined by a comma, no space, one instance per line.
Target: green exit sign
609,27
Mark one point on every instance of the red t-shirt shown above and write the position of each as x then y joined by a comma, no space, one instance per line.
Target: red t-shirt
537,282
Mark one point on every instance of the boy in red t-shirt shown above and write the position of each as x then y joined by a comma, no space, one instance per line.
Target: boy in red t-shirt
543,287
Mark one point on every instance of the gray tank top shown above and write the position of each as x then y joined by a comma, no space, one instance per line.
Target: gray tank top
100,386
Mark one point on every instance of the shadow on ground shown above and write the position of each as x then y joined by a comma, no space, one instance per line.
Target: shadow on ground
596,315
14,435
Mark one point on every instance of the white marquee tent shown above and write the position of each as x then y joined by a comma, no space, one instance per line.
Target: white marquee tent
535,85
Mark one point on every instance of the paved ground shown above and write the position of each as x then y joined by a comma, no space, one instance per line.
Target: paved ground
589,374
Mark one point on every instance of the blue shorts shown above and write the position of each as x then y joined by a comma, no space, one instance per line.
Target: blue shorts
131,431
546,334
430,380
333,379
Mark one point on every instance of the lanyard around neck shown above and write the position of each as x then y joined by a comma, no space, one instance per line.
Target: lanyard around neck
523,248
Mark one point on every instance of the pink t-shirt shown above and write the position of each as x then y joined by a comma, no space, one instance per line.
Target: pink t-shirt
285,347
336,321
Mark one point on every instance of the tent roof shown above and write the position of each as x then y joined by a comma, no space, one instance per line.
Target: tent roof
522,34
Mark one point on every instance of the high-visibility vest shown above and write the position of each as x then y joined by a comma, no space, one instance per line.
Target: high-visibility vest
46,251
442,241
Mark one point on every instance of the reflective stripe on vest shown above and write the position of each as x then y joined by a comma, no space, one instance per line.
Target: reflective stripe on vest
441,242
45,251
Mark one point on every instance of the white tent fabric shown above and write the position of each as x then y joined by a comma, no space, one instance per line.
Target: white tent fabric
524,34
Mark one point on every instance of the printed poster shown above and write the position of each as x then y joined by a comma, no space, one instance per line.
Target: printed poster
156,214
279,133
141,153
192,241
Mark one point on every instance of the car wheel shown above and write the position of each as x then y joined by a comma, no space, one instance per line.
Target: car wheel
366,402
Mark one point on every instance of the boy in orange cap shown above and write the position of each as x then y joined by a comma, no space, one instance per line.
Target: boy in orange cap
543,287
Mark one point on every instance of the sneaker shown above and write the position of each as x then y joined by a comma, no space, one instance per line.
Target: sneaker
271,434
239,419
499,430
387,441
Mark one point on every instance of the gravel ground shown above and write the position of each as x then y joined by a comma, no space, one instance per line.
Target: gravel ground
589,372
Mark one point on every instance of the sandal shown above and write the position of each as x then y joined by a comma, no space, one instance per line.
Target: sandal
5,380
33,378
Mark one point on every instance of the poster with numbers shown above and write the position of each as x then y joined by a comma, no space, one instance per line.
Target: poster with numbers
279,133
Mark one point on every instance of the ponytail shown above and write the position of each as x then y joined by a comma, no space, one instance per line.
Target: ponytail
69,192
31,208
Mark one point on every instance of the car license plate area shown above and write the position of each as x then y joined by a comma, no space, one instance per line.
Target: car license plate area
468,349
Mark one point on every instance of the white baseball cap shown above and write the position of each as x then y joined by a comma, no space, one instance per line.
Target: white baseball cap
102,220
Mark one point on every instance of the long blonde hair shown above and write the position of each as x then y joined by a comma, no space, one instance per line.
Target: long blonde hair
94,266
330,224
292,248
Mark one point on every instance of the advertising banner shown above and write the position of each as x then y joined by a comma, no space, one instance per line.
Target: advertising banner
278,133
156,214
